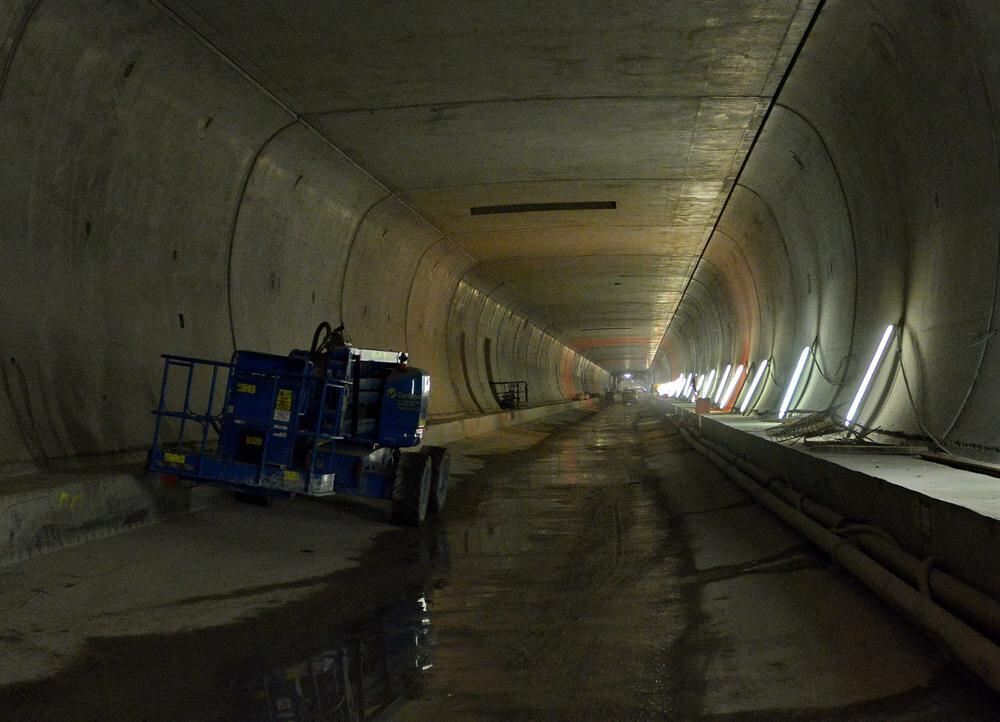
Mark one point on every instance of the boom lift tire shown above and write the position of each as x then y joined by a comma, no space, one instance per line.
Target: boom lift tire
411,490
440,471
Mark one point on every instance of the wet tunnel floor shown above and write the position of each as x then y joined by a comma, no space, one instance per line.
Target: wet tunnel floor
588,567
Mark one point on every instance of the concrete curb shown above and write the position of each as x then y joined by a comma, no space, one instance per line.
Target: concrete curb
41,520
449,431
68,509
967,644
961,540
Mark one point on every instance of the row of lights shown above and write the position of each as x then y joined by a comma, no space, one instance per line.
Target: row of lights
705,386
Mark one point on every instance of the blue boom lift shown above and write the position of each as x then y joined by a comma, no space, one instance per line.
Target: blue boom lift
330,420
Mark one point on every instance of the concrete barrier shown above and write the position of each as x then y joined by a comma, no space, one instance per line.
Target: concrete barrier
65,509
45,512
446,432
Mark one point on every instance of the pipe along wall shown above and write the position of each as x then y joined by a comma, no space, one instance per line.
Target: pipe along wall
156,200
871,197
875,559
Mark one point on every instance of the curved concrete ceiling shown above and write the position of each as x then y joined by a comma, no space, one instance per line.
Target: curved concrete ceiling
647,106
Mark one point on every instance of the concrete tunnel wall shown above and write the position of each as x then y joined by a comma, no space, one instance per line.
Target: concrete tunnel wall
871,197
154,200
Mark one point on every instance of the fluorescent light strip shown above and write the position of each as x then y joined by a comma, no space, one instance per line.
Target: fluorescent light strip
706,392
753,385
732,386
872,367
790,391
722,383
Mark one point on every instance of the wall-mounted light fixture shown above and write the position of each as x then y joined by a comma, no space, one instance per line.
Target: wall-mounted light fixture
753,386
722,383
706,391
732,386
872,368
794,383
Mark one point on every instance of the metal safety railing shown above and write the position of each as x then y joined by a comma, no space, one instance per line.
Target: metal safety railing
195,456
185,414
510,394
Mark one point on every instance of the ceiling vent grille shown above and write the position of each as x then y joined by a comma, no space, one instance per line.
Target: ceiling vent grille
544,207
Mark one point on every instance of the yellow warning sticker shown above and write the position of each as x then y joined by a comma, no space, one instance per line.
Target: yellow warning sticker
254,441
174,458
246,388
293,476
283,405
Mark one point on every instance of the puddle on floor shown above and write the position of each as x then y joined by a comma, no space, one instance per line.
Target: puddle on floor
365,674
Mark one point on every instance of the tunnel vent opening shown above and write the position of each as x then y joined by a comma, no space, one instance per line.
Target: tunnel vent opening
544,207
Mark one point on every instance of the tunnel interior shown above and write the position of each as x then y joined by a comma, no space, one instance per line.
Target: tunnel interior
773,209
551,195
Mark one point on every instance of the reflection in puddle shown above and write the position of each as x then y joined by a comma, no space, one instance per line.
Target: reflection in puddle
366,675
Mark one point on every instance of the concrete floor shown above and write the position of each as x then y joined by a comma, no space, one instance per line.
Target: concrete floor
589,566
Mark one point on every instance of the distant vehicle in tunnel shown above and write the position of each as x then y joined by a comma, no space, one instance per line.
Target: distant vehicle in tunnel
630,396
330,420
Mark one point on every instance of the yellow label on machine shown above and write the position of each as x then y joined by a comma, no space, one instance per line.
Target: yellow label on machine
283,405
293,476
246,388
174,458
254,441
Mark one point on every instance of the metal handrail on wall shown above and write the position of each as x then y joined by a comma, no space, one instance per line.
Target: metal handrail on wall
510,394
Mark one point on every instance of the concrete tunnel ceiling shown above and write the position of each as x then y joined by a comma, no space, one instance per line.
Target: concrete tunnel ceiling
649,107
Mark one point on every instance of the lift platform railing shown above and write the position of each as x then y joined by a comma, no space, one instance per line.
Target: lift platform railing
207,420
198,459
511,394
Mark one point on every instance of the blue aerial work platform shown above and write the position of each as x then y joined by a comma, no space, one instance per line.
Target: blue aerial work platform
329,420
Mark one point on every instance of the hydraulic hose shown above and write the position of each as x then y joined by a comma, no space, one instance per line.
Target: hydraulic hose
316,344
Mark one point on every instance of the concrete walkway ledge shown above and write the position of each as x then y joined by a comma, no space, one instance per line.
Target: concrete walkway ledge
43,512
956,531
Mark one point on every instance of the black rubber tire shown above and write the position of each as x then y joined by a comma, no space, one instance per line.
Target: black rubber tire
411,490
440,471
